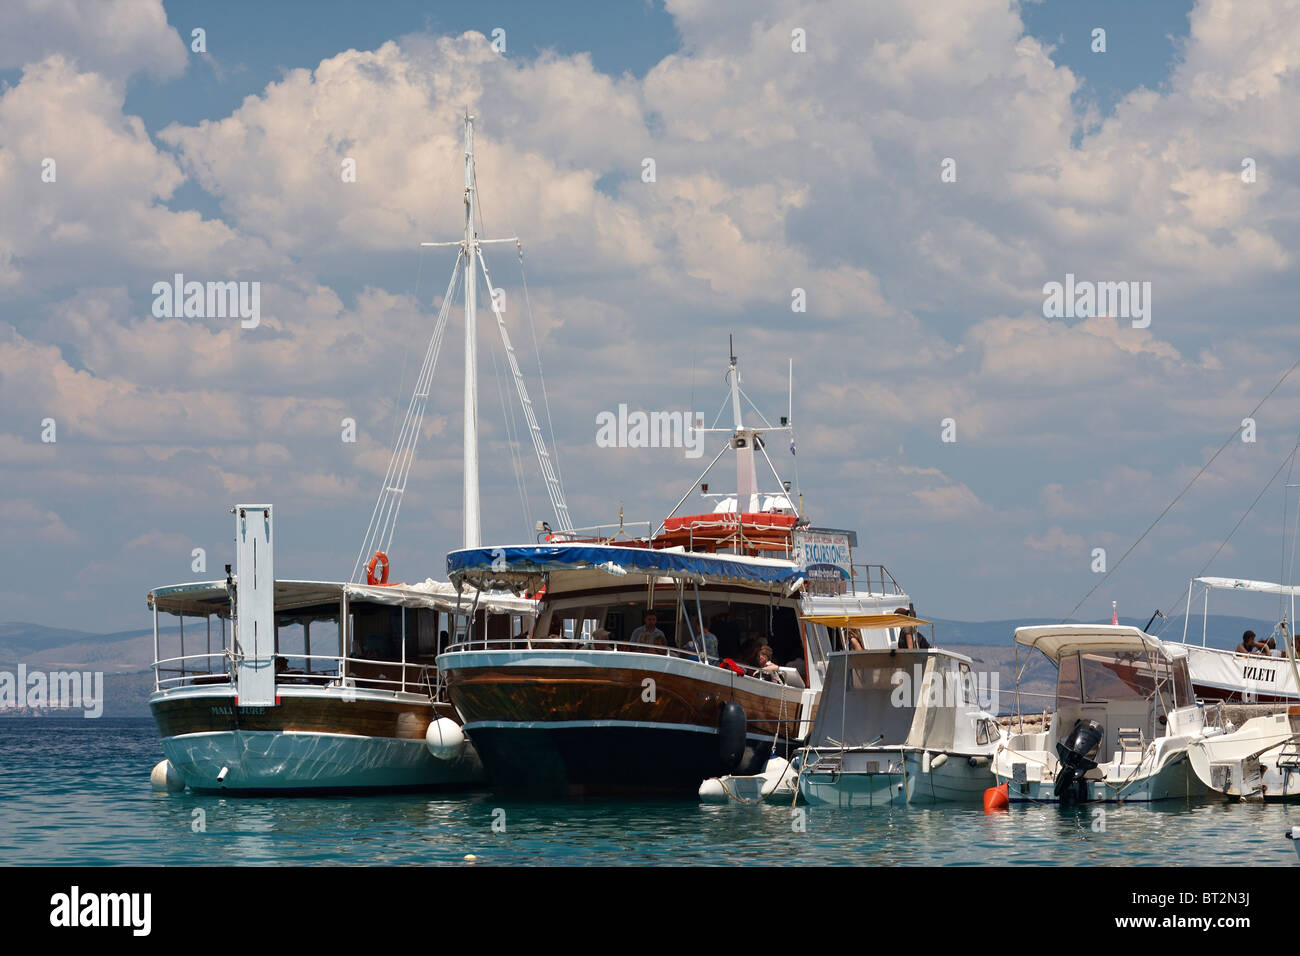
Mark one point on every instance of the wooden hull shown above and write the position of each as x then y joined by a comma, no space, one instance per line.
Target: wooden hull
604,722
308,742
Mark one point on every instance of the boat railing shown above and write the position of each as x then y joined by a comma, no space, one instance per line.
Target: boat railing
569,644
321,670
873,579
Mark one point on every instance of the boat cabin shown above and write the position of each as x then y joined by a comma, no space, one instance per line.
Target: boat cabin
390,638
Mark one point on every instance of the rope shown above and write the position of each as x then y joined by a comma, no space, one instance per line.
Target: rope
1235,432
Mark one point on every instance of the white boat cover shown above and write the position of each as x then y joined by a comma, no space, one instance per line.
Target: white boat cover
1057,639
1242,584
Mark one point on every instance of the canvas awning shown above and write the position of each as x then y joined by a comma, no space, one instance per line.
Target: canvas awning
1054,640
210,597
866,622
522,567
1242,584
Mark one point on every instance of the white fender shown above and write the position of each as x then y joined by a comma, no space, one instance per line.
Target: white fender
165,778
445,739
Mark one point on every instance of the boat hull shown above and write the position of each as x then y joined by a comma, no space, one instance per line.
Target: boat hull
1174,780
320,741
956,781
624,723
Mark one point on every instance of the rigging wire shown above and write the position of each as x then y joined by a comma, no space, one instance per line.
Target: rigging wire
1235,432
516,465
1290,457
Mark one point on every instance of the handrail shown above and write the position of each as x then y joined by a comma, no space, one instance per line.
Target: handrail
881,577
416,673
611,645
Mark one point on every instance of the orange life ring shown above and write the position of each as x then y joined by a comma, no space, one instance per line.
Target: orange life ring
370,569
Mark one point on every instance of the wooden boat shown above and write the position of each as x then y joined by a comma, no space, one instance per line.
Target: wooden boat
585,706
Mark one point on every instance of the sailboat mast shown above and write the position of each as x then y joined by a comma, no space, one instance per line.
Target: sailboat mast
746,475
472,529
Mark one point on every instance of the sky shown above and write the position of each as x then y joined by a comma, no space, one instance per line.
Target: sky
922,172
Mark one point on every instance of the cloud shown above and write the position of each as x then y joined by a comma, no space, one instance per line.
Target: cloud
115,38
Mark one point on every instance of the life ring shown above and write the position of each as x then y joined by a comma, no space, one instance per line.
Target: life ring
370,569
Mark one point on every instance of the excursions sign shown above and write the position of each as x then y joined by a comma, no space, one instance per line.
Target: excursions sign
826,557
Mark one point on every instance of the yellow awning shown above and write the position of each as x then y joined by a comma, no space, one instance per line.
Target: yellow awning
866,621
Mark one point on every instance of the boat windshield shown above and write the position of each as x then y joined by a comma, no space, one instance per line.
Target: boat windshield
875,699
1105,677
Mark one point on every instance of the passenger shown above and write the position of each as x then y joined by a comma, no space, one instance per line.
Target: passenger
600,640
1247,645
649,633
707,643
1270,647
855,638
906,641
768,669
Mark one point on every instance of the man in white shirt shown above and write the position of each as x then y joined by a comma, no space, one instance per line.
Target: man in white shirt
649,633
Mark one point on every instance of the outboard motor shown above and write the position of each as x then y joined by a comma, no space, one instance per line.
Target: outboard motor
731,735
1076,753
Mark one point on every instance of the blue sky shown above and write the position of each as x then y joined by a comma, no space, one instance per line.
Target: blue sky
776,170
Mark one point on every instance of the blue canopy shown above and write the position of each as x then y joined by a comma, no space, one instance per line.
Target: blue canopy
513,567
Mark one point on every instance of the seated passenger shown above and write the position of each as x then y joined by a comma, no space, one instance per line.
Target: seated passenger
1247,645
768,669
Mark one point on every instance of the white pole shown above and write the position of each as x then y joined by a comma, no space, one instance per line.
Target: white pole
155,642
471,532
1205,616
1187,613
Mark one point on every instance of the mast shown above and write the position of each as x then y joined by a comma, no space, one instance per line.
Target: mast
746,476
471,532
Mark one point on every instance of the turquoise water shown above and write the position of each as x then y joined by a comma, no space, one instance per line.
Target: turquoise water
77,793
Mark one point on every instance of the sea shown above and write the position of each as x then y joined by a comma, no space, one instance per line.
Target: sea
77,793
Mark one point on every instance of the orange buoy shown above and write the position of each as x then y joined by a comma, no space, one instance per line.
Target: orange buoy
996,798
379,558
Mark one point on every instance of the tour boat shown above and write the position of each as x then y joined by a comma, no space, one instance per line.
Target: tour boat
585,705
1124,717
898,726
312,685
1221,674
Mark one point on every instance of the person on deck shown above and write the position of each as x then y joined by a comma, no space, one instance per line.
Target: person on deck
1247,645
649,633
768,669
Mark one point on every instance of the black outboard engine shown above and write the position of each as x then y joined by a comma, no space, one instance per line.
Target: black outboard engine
1076,753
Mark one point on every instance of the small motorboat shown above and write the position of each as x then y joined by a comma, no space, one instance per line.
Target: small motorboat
1260,760
1124,718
